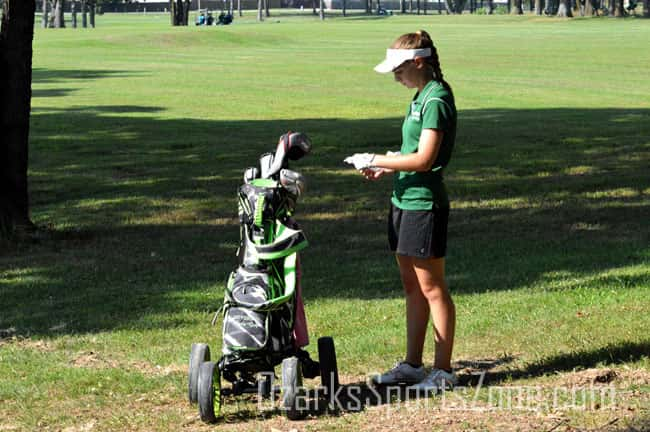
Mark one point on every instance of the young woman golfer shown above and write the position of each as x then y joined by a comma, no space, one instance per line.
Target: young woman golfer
417,222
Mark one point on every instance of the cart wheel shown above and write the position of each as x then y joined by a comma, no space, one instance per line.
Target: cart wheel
209,391
291,388
200,353
265,384
329,373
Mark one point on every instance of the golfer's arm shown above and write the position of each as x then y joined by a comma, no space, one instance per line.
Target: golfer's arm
422,160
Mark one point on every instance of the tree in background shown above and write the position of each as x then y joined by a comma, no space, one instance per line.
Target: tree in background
59,21
92,7
84,14
45,13
179,12
619,8
564,10
73,12
517,7
16,37
455,6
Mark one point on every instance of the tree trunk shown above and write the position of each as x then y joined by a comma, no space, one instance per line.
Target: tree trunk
344,6
59,21
417,5
402,6
517,8
186,12
439,7
620,9
267,6
84,13
378,6
73,12
538,7
313,6
44,16
322,10
564,10
490,7
646,8
91,8
16,37
424,6
239,9
179,12
260,16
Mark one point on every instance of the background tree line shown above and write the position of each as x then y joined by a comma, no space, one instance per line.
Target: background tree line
53,12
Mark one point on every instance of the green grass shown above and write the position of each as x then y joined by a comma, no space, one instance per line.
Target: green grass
139,136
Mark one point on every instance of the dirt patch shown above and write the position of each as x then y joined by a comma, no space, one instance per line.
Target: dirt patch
24,342
95,360
86,427
620,377
92,360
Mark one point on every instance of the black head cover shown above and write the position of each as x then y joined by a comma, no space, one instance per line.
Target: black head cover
296,144
292,145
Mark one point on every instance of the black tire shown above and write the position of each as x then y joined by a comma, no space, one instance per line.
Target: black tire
200,353
329,373
265,385
291,388
209,392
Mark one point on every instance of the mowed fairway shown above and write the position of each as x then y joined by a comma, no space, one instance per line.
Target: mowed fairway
140,133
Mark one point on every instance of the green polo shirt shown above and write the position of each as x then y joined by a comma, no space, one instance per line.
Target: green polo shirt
432,108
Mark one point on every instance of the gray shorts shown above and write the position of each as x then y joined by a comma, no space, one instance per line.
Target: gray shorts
418,233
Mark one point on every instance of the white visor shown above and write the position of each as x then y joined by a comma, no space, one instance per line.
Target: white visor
395,57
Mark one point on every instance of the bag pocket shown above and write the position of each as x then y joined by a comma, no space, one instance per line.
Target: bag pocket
244,329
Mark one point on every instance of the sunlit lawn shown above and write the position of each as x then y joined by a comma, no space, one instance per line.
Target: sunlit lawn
139,137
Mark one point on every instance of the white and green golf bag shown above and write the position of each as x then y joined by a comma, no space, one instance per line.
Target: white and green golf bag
260,299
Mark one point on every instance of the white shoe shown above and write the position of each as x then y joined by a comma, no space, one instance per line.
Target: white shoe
437,380
402,372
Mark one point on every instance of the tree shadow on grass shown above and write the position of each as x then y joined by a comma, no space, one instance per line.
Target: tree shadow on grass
608,355
47,76
145,217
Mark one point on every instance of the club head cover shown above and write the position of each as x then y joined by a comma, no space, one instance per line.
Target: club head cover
251,174
293,181
266,165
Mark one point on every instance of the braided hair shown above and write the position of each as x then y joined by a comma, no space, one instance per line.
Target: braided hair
421,39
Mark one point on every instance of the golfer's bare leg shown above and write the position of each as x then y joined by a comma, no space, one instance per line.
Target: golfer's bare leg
430,274
417,311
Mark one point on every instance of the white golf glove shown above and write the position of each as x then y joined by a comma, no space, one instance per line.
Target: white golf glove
360,160
393,153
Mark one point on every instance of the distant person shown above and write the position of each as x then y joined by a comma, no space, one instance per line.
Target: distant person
417,220
225,19
210,19
201,19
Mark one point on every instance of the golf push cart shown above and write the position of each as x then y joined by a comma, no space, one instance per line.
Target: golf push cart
264,323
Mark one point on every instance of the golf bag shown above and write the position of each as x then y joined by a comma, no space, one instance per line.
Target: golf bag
262,295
